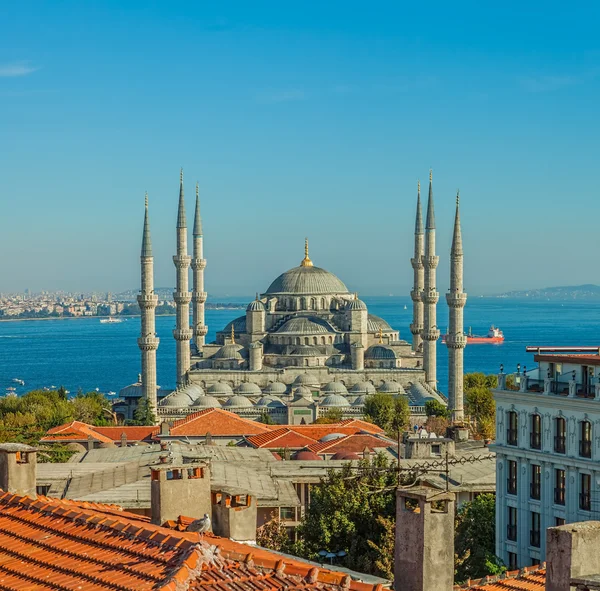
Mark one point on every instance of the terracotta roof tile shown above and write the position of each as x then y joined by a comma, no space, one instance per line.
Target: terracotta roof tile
280,438
531,578
218,423
78,431
351,443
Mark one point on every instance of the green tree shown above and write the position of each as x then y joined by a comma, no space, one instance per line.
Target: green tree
332,416
273,535
265,418
91,408
144,413
390,413
434,408
344,514
479,403
475,539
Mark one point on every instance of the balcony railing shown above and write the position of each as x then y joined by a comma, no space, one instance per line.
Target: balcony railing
585,501
534,538
585,448
535,440
560,388
535,491
511,486
511,437
560,444
535,385
511,532
559,496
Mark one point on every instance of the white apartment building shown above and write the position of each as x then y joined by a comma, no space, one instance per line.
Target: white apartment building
547,450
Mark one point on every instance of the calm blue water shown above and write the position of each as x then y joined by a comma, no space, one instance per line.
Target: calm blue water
82,353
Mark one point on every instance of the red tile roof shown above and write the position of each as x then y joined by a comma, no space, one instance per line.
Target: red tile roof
50,545
280,438
351,443
78,431
532,578
217,422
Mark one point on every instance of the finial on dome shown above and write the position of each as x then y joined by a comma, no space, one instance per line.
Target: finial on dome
306,262
232,335
355,295
380,335
257,296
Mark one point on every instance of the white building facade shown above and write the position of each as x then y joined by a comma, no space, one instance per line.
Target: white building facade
548,452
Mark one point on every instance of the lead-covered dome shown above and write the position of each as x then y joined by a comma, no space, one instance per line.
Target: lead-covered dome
334,400
206,402
306,325
363,388
379,352
248,389
335,388
275,388
220,389
238,402
231,351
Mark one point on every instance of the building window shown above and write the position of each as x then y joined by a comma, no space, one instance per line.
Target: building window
534,534
559,486
585,496
511,528
558,521
511,481
512,431
436,449
535,436
512,561
585,439
560,435
536,482
287,513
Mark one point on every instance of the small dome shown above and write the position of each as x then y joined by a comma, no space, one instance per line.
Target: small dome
331,437
374,323
357,305
275,388
239,326
270,402
335,388
303,392
220,389
178,399
363,388
379,352
306,351
248,389
345,455
334,400
206,402
305,454
238,402
255,306
193,391
306,379
74,446
390,387
106,445
231,351
360,400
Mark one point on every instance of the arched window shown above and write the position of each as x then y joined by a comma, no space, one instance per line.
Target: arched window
297,340
313,303
303,303
315,340
512,433
306,340
322,340
560,435
306,362
323,304
331,340
381,365
585,439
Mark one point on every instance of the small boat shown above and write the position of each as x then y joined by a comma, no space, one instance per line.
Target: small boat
18,381
110,320
494,335
11,389
405,308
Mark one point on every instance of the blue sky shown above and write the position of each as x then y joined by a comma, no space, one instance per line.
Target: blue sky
298,119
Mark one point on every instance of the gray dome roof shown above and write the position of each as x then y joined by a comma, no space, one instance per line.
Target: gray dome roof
306,351
231,351
306,379
206,402
331,437
255,306
303,392
239,325
238,401
360,400
307,280
357,305
335,388
178,399
193,391
374,323
334,400
135,391
390,387
248,389
305,325
379,352
275,388
363,388
271,401
220,389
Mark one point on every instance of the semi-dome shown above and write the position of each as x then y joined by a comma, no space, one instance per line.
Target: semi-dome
248,389
374,323
307,280
363,388
334,400
305,454
238,402
306,379
231,351
345,455
306,325
275,388
335,388
206,402
306,351
220,389
239,326
357,304
360,400
193,391
379,352
390,387
178,399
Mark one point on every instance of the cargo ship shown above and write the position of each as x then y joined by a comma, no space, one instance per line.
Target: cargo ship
494,335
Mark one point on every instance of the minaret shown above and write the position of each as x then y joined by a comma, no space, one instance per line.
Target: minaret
430,295
456,339
416,294
181,295
198,293
147,300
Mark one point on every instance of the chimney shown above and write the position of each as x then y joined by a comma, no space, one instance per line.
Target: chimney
424,555
123,439
179,490
90,442
572,556
17,469
234,516
165,428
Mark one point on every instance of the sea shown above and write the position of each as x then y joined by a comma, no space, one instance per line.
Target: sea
84,354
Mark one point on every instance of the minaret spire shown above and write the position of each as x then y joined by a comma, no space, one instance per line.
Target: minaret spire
430,296
198,265
147,300
456,339
181,295
416,328
306,262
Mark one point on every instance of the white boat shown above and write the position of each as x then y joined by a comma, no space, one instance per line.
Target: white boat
110,320
18,381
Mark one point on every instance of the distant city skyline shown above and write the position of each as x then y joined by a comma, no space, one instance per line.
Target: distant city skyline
298,120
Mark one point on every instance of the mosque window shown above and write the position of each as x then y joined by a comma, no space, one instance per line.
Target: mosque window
331,340
302,303
315,340
313,303
323,304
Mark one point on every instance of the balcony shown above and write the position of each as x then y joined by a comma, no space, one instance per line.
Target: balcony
511,533
535,440
559,496
535,491
560,444
585,448
534,538
511,486
585,501
512,437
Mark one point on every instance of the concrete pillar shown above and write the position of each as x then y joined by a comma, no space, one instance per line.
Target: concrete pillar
18,469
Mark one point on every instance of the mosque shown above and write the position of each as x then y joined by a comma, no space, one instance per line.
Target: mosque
305,345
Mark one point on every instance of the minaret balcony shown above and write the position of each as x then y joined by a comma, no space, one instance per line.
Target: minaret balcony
431,262
146,301
430,297
182,334
456,299
182,261
201,330
431,335
415,295
198,264
148,343
416,328
456,341
182,297
416,263
200,296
